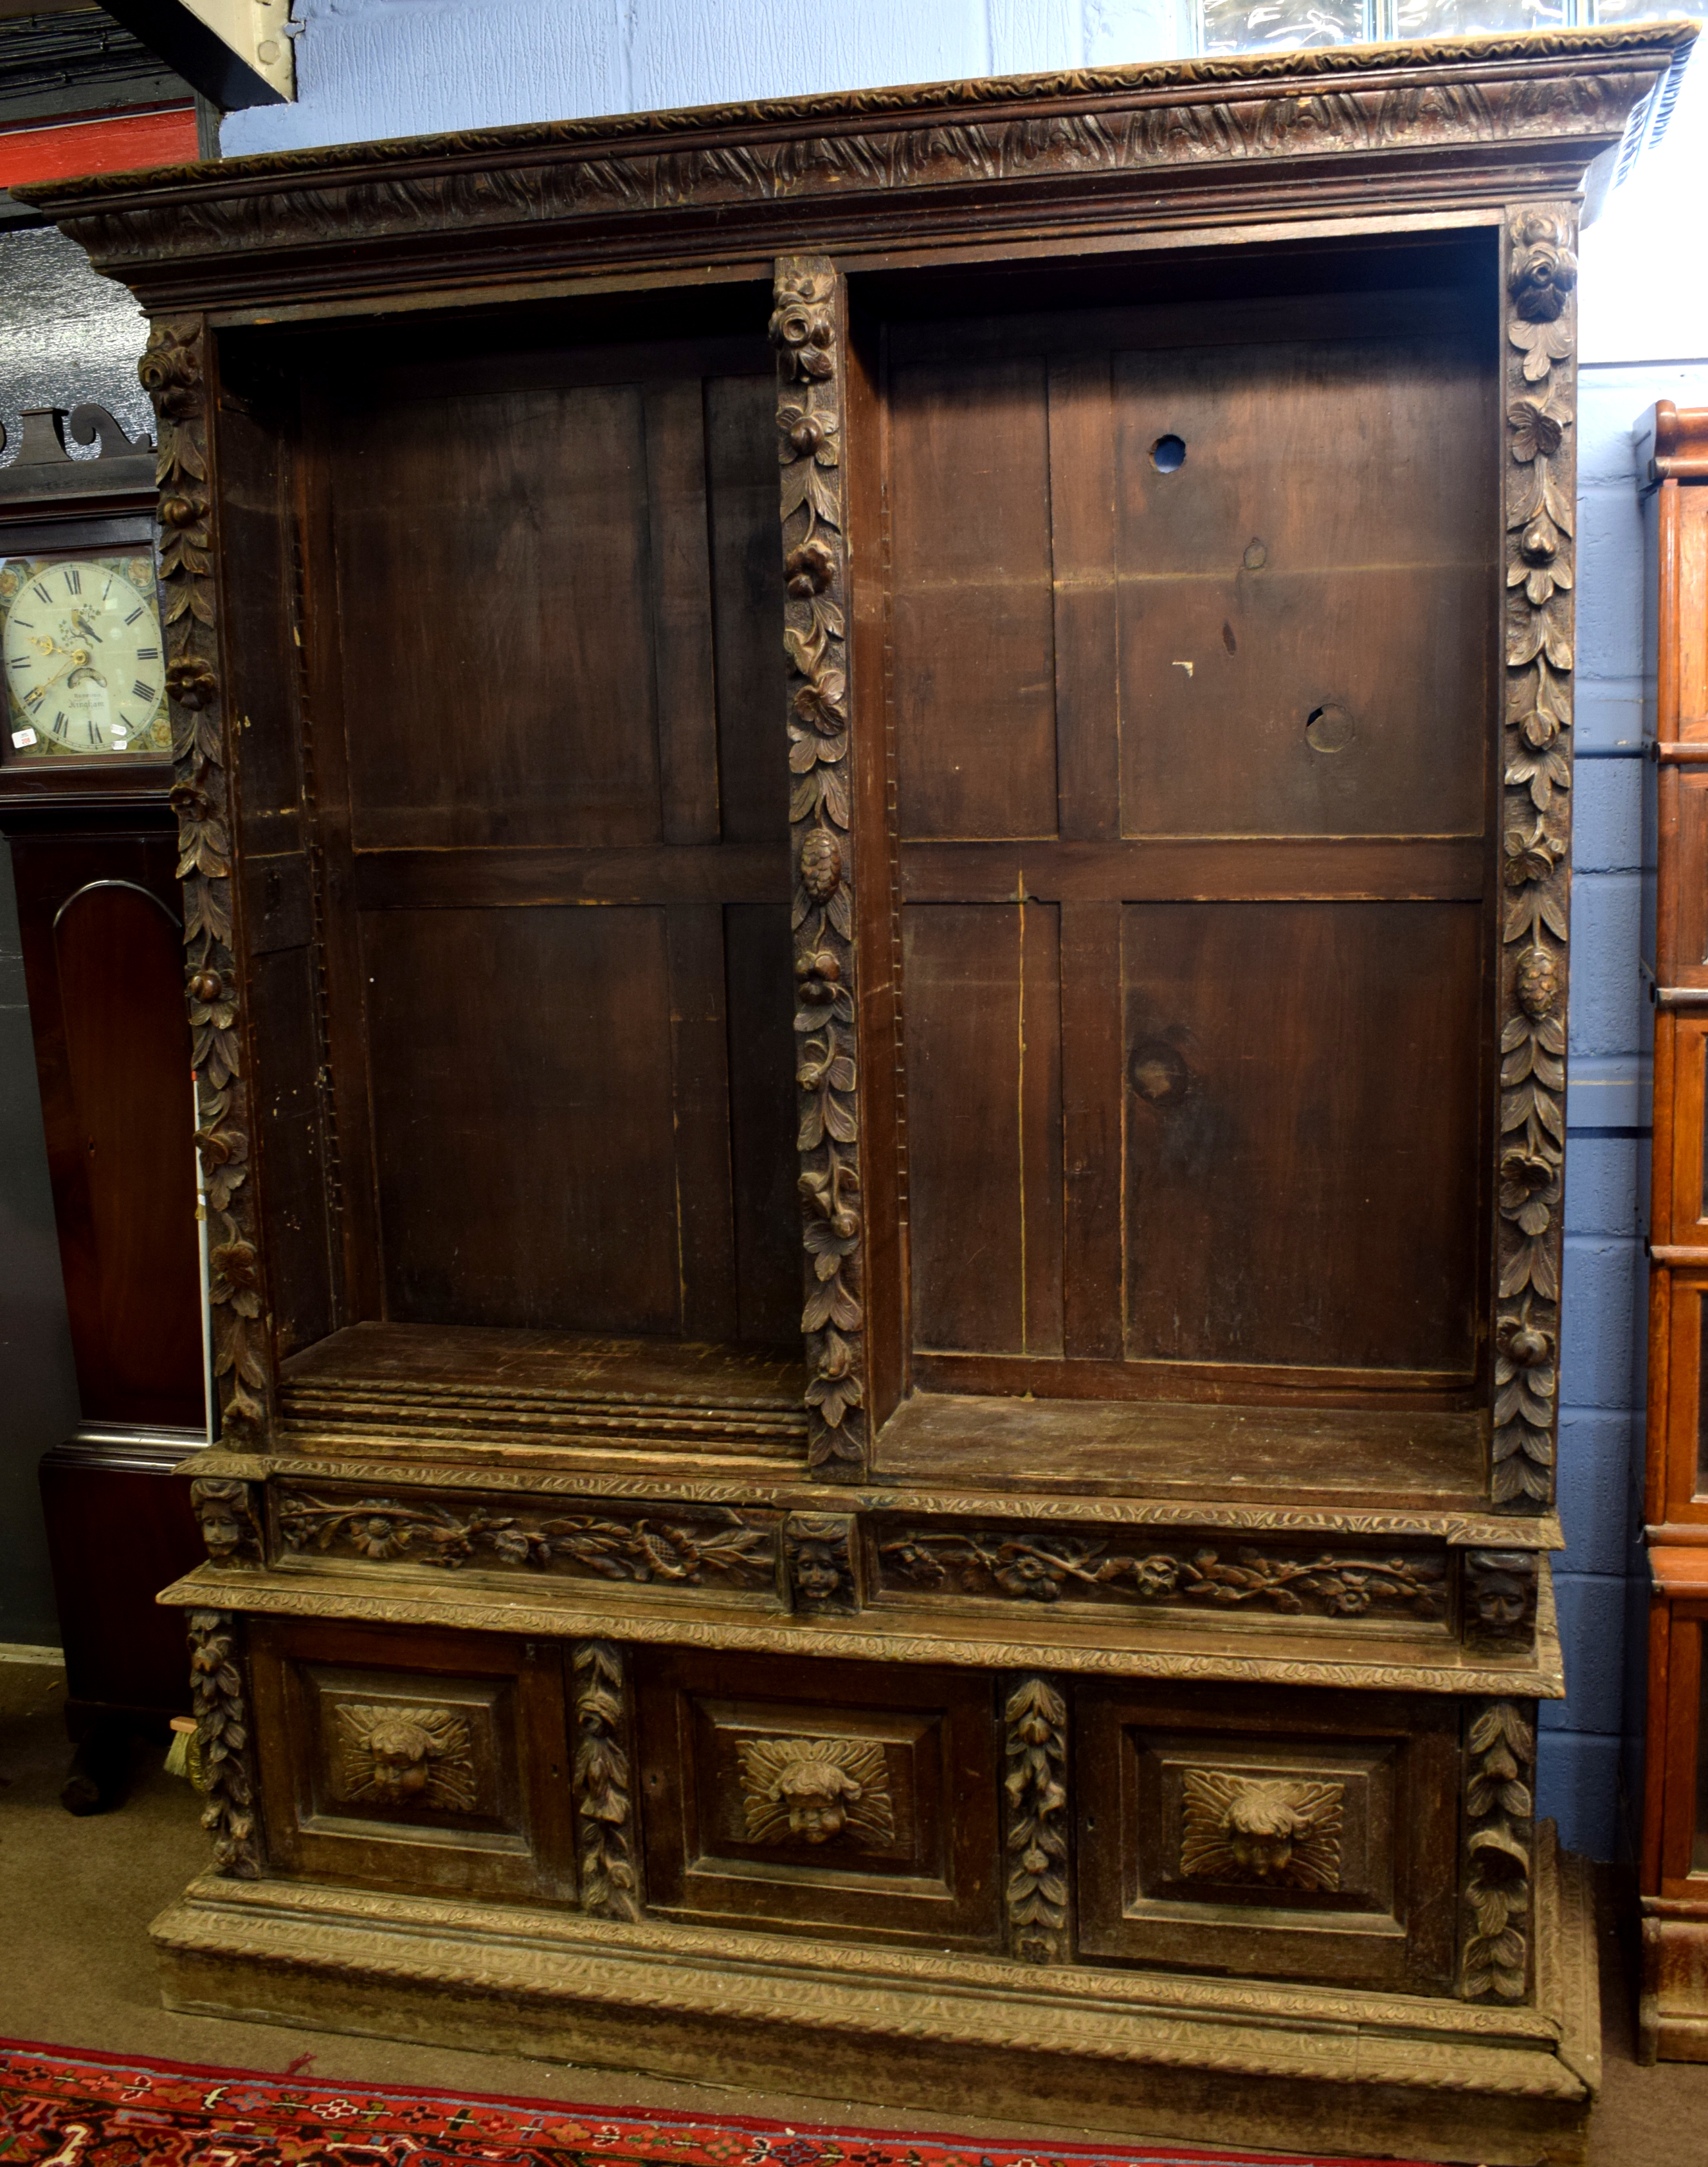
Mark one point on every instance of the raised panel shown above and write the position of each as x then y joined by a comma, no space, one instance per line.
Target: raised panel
522,1079
974,639
1303,1838
985,1126
516,524
1303,1133
812,1794
1324,546
426,1759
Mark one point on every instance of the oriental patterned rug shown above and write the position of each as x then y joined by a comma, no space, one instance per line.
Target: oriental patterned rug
60,2108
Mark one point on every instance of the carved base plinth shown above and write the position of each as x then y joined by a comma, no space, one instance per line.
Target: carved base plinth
1149,2054
1673,2021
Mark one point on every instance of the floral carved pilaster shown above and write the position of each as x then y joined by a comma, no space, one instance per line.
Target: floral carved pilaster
1499,1838
220,1702
1541,388
1035,1800
171,370
604,1808
228,1512
821,1557
807,328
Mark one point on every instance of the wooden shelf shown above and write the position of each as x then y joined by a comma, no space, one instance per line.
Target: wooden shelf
373,1386
1172,1449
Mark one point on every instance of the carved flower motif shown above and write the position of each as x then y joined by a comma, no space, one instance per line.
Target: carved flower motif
1538,428
810,569
818,1192
236,1277
1025,1572
1536,981
803,332
808,433
212,997
1537,564
1522,1345
819,702
1348,1594
818,980
378,1536
1543,272
168,371
1531,857
1529,1188
181,512
835,1388
1156,1576
192,683
512,1545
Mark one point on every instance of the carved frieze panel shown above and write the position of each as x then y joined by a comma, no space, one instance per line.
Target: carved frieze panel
707,1547
1540,491
815,1790
1272,1830
402,1757
1014,1564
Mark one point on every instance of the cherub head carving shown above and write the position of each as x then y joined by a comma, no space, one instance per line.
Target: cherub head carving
1248,1828
405,1757
815,1789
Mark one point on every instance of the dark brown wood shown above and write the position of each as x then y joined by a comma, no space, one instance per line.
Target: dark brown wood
1145,559
804,1796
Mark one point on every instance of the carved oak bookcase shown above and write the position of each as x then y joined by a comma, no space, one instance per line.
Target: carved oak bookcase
887,1160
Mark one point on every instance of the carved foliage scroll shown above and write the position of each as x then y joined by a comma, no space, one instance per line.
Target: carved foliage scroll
171,370
604,1809
1035,1788
806,329
1500,1763
1539,489
220,1704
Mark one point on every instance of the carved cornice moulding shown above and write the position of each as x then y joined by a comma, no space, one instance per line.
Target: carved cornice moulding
1492,100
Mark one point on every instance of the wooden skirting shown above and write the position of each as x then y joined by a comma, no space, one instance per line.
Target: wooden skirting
1146,2053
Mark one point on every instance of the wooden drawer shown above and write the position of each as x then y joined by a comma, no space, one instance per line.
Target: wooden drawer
798,1795
432,1761
1309,1837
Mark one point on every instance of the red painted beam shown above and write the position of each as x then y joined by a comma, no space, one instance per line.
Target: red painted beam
109,144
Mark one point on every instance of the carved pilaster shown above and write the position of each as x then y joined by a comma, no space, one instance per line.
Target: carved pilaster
1541,381
821,1557
219,1700
172,373
1035,1798
604,1809
808,330
229,1512
1500,1597
1497,1874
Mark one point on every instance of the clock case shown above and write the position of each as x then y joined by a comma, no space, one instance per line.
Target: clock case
94,859
1099,1682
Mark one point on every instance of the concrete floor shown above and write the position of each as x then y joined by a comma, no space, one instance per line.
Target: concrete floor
77,1896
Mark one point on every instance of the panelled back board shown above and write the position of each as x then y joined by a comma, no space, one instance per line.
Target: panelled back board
874,803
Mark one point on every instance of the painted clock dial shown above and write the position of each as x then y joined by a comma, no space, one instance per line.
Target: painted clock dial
83,657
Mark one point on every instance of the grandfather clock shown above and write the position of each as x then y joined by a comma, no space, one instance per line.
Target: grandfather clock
85,775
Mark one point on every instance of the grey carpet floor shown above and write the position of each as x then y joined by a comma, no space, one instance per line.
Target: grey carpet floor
76,1895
